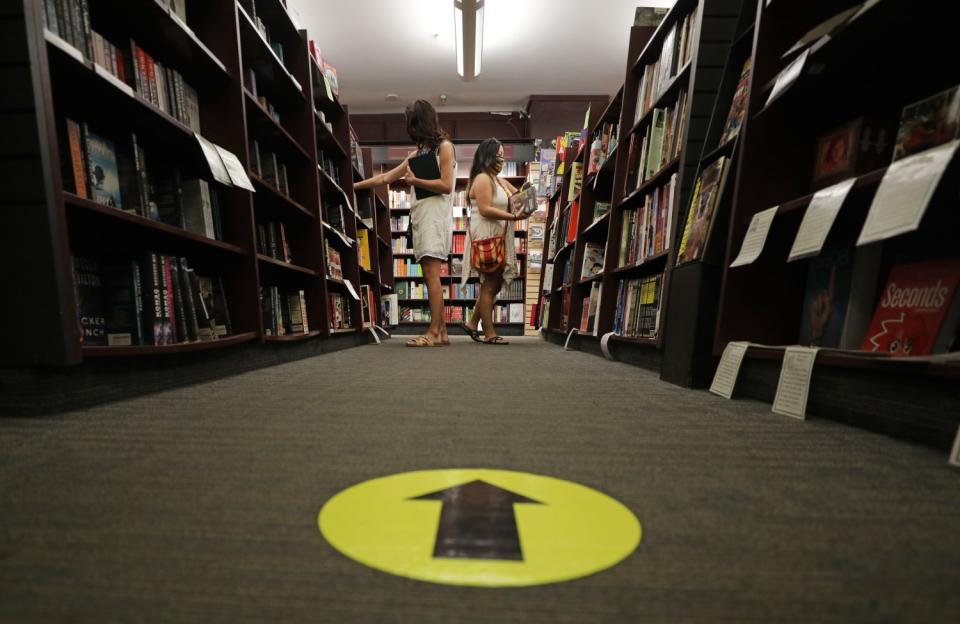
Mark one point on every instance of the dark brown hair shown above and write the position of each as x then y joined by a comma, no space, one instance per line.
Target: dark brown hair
423,125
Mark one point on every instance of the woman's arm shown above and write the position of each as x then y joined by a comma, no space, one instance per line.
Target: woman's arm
380,179
445,183
511,189
483,193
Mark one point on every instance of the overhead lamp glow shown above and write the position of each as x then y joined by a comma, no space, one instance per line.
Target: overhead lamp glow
468,26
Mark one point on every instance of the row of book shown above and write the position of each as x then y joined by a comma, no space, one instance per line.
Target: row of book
268,167
503,313
564,228
153,300
638,307
603,146
400,199
459,243
645,231
250,6
328,166
339,311
401,244
567,275
400,223
268,108
661,143
117,174
406,268
284,312
272,241
356,155
675,53
590,309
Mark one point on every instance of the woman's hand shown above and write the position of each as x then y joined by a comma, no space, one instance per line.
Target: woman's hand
410,179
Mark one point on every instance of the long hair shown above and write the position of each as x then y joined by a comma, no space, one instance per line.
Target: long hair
483,160
423,125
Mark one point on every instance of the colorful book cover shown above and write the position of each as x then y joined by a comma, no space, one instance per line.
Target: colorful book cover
702,207
917,312
102,166
928,123
592,260
738,107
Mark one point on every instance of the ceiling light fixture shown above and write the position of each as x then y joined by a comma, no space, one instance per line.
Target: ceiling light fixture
468,26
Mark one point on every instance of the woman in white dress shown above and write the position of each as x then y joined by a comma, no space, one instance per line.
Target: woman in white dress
431,218
488,196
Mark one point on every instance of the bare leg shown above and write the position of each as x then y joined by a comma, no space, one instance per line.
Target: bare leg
488,296
431,273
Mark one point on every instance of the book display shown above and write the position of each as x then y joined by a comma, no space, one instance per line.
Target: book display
186,192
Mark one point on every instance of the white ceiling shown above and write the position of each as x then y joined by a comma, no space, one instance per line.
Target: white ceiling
406,47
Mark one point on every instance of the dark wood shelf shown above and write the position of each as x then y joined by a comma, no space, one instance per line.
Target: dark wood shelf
331,108
639,340
654,182
723,149
865,180
273,262
144,224
180,347
268,195
274,80
327,142
334,235
859,360
598,224
279,139
592,278
564,248
298,337
653,264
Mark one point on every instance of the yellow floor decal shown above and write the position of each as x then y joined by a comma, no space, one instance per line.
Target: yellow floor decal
490,528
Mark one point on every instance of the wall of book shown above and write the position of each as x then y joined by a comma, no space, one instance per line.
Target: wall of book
196,179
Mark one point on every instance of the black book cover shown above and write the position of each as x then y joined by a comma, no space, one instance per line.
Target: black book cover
426,167
215,203
88,284
272,240
221,310
179,311
202,315
136,283
119,305
166,292
153,299
189,304
168,195
205,285
128,170
87,35
285,310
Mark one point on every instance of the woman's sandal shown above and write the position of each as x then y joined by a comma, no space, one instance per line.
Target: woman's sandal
495,340
473,333
424,341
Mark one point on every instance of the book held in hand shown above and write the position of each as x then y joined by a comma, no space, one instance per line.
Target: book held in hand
524,201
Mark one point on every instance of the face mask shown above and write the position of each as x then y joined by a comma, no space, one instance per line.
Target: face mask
498,164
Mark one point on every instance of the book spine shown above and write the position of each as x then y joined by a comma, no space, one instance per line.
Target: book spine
154,299
50,16
225,309
85,21
77,159
179,309
169,307
189,303
136,286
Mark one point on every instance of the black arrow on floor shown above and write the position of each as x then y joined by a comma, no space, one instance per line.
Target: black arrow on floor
477,521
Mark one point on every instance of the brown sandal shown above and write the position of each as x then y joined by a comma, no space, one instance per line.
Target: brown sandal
424,341
495,340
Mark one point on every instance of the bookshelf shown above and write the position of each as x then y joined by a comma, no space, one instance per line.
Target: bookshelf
260,95
912,399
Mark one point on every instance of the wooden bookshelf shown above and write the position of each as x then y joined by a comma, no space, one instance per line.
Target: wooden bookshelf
220,52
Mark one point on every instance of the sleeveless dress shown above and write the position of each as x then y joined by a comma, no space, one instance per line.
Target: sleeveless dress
431,222
480,228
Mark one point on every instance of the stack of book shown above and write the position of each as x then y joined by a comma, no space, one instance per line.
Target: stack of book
638,307
284,312
645,231
677,47
272,241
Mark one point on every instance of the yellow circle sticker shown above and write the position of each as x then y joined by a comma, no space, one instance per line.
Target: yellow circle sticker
489,528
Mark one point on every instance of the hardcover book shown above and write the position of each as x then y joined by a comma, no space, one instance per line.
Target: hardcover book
592,260
102,167
703,205
854,148
918,310
738,107
89,293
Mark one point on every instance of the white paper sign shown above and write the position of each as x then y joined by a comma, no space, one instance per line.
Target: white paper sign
548,277
794,385
729,369
755,238
788,76
955,452
605,345
217,168
818,219
566,345
353,293
234,168
905,192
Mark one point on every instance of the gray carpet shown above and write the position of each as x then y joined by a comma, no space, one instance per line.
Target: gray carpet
200,504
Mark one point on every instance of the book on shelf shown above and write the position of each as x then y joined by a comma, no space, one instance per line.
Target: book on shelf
854,148
363,239
662,141
649,16
600,208
703,205
153,300
738,106
638,307
588,316
339,310
71,22
603,146
675,53
272,241
573,217
918,310
334,266
646,231
592,260
928,123
366,306
391,312
284,311
576,180
841,282
102,174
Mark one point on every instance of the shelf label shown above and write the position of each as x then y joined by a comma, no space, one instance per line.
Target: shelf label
353,293
756,237
728,370
905,192
794,385
234,169
217,168
605,344
566,345
818,219
479,527
788,76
